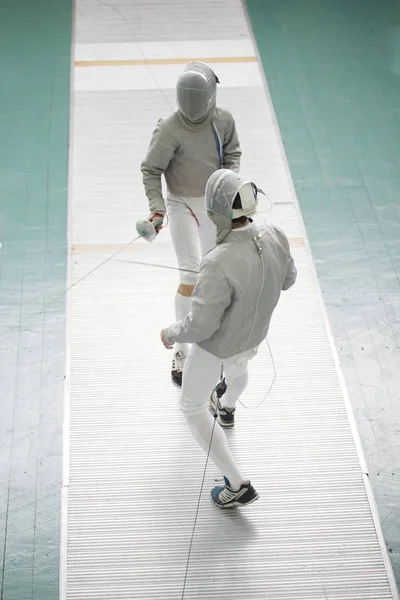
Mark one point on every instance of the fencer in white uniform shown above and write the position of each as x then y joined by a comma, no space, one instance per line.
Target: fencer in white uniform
239,286
187,148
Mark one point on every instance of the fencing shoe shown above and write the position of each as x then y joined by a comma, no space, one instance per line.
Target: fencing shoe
177,367
225,416
225,497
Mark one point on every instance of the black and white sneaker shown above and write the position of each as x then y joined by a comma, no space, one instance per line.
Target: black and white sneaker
225,497
178,363
225,416
218,392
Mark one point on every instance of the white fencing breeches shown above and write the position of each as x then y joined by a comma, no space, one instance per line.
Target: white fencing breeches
200,375
193,234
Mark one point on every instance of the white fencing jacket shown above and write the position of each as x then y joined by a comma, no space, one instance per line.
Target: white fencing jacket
225,319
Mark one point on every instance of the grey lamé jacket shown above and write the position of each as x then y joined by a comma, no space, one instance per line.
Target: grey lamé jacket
187,154
230,281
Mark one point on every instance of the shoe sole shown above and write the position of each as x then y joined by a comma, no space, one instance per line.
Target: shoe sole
234,504
225,425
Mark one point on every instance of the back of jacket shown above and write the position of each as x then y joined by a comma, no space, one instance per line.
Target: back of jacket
237,292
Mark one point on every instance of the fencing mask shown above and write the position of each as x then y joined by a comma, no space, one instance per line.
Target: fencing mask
196,91
224,189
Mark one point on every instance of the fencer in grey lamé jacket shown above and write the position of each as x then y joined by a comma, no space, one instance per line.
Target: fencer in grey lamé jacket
225,298
187,154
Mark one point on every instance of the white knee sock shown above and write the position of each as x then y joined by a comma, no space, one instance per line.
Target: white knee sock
182,308
201,425
235,387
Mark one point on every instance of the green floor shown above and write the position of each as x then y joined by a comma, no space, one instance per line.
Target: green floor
333,70
34,107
